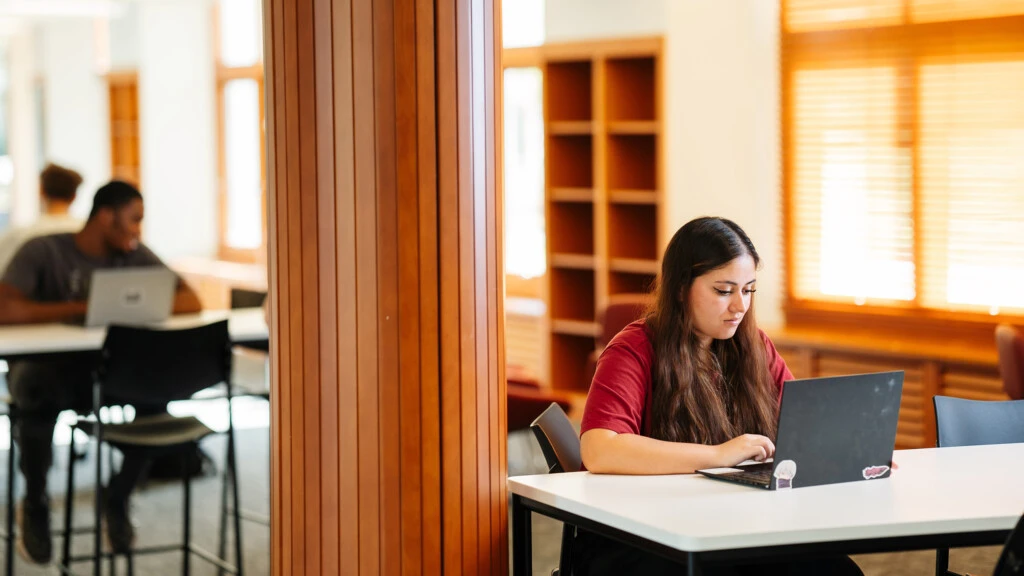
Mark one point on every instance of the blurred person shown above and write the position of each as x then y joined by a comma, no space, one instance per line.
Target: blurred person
58,187
48,281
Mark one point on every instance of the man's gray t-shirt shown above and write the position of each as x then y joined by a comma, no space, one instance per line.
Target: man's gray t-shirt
53,269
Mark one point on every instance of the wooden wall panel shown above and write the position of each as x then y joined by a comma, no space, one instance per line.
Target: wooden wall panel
388,395
929,370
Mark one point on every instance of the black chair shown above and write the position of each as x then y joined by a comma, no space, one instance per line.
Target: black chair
8,533
148,368
242,298
561,447
960,422
1011,561
245,298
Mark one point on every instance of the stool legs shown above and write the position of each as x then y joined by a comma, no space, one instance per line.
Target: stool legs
222,548
186,482
69,503
9,535
233,463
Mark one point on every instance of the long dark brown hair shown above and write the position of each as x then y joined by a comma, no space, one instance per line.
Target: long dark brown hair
706,395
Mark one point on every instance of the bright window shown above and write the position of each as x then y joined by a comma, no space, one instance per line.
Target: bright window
241,126
523,110
242,163
903,148
524,173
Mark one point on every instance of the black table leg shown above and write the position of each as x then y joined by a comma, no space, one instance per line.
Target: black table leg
692,565
942,562
522,538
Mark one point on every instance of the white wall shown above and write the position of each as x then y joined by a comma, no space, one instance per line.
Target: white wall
567,20
124,38
722,120
22,137
77,124
177,133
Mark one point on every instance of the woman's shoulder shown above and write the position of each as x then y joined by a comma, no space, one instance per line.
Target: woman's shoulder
767,341
636,336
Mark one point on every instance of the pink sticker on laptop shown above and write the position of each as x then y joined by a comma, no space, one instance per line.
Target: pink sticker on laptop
875,472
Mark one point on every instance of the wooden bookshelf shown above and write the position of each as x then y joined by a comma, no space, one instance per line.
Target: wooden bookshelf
604,186
123,92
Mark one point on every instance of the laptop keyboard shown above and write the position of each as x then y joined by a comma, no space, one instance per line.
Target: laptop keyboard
755,476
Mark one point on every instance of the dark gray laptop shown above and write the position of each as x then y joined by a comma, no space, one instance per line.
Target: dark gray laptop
130,296
834,429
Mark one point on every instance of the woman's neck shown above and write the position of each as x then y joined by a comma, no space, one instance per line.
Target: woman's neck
704,342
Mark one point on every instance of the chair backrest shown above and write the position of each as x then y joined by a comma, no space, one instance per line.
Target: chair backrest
244,298
621,310
1011,561
960,422
558,440
151,366
1010,343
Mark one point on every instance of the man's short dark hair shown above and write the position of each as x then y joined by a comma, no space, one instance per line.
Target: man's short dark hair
59,183
114,195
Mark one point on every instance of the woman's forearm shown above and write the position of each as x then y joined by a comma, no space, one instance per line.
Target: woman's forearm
606,452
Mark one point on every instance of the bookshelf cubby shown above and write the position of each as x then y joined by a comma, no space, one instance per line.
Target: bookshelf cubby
571,226
572,294
629,282
632,162
630,89
572,82
574,157
630,231
572,352
603,132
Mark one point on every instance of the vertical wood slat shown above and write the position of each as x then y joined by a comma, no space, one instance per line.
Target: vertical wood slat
388,440
327,242
366,301
309,248
429,290
387,257
493,79
447,212
470,60
272,32
410,552
348,406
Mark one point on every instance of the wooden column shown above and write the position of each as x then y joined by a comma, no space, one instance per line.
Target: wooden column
388,395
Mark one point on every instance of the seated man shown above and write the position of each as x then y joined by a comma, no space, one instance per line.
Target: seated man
58,187
48,281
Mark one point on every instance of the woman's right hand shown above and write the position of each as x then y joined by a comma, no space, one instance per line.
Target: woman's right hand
745,447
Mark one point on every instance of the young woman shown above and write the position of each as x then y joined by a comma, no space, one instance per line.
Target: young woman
693,385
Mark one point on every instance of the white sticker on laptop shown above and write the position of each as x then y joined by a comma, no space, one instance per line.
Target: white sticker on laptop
784,474
872,472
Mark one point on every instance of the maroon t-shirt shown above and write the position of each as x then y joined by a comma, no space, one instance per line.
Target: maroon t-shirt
620,395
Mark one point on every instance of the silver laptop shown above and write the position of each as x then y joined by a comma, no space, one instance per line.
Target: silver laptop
130,296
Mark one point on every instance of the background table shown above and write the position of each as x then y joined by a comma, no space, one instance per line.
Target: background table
244,324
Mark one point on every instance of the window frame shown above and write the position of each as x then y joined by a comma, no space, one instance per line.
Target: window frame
225,74
898,320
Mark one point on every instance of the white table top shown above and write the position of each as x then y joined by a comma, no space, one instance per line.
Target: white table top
934,491
245,324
